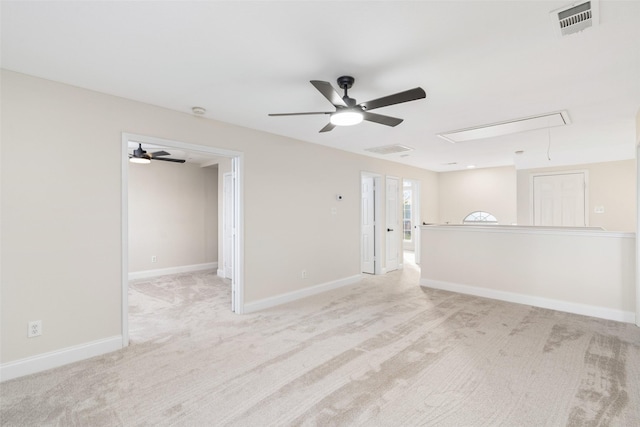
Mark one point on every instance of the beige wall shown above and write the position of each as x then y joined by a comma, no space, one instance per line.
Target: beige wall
587,272
638,127
211,218
490,190
611,185
61,208
173,215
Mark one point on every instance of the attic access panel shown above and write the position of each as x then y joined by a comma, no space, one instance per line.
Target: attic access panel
543,121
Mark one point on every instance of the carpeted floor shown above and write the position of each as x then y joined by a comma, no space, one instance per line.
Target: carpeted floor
384,352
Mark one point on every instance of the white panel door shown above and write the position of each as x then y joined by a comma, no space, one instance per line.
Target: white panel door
559,200
367,226
227,225
393,224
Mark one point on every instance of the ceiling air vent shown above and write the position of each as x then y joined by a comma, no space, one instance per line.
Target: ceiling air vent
389,149
575,17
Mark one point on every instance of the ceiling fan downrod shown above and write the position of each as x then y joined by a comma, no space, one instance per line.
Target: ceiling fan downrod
345,82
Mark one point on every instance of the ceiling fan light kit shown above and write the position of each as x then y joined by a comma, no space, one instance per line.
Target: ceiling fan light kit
346,118
140,160
349,112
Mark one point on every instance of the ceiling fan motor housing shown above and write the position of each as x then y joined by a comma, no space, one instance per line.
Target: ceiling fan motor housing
139,152
345,83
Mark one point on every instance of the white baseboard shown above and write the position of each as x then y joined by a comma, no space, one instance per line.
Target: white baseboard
53,359
220,273
553,304
262,304
172,270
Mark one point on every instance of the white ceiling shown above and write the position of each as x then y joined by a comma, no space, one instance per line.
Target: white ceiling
479,61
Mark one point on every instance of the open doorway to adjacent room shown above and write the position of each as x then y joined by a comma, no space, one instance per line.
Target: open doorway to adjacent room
411,221
182,234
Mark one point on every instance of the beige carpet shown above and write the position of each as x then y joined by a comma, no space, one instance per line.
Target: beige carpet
384,352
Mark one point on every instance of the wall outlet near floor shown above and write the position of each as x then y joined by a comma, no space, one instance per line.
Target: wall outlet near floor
35,329
304,274
154,258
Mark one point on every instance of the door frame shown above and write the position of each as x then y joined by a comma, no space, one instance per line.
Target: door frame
638,225
585,172
237,167
415,216
377,228
398,225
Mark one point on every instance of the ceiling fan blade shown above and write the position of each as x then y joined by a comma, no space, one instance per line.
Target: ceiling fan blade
329,92
397,98
328,127
298,114
167,159
159,153
383,120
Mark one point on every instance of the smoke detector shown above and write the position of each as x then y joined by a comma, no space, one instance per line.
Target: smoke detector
575,17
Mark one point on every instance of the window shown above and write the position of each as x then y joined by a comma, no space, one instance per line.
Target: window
479,217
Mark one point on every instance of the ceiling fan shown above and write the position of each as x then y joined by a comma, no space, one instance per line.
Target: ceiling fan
141,156
349,113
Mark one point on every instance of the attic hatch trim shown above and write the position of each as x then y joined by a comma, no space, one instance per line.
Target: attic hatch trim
389,149
541,121
575,17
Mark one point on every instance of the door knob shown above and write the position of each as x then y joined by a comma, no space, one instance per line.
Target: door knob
389,229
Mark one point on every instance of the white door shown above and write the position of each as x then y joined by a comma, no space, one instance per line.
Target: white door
367,209
394,228
228,231
559,200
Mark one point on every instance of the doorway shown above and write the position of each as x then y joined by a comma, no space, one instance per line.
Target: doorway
237,282
393,226
411,219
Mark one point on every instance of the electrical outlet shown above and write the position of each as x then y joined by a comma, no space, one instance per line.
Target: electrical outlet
304,274
35,329
154,258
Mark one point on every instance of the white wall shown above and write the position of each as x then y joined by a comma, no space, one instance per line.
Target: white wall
611,185
61,208
173,215
490,190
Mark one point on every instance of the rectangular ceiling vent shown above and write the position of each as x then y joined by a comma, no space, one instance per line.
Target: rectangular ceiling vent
575,17
389,149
